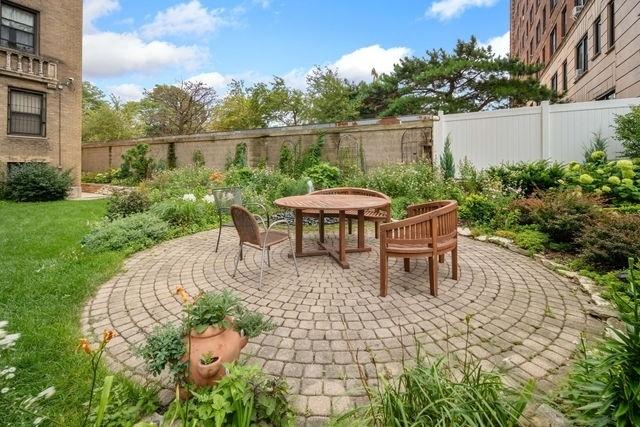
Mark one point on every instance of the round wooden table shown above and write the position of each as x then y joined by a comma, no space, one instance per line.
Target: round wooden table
340,203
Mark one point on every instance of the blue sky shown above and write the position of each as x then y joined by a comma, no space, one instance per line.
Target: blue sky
130,45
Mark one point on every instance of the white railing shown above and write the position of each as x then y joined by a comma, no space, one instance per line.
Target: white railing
28,65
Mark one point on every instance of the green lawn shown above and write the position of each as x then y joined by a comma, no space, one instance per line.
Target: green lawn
45,278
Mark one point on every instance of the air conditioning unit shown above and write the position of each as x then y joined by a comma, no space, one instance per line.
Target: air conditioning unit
576,11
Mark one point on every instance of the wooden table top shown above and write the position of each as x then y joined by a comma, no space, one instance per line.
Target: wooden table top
338,202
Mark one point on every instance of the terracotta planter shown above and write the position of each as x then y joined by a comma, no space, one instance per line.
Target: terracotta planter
223,344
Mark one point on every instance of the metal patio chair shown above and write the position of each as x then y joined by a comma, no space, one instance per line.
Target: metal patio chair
250,235
225,198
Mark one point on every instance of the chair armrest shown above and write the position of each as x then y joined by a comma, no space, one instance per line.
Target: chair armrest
264,208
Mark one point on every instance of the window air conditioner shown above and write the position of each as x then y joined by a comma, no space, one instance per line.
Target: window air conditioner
576,11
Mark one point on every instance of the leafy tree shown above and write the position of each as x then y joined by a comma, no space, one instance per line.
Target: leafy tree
137,163
330,98
284,106
182,109
110,120
627,131
447,163
471,78
92,97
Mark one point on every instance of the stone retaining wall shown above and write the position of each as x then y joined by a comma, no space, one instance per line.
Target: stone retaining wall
379,142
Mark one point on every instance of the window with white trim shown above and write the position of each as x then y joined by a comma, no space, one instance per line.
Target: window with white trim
17,28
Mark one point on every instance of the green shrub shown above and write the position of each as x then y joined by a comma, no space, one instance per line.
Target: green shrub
603,387
323,175
210,310
531,240
172,184
561,214
164,347
447,164
239,159
438,394
293,187
287,160
244,397
265,183
617,182
37,182
528,177
609,242
478,209
597,148
132,233
471,180
198,159
187,215
126,202
107,177
399,206
136,163
172,159
627,131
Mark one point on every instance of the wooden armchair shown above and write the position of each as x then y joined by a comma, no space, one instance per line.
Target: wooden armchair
430,232
377,216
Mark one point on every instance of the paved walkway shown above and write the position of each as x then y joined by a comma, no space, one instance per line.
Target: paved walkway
524,318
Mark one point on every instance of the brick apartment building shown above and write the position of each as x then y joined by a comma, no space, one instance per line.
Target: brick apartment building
590,48
41,84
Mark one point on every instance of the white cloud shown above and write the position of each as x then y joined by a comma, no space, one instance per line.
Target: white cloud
127,92
447,9
214,79
357,65
94,9
500,45
112,54
184,18
297,78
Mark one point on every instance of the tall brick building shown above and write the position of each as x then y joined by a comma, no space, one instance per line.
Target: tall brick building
590,48
41,84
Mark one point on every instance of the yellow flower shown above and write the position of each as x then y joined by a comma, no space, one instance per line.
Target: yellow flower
84,345
183,294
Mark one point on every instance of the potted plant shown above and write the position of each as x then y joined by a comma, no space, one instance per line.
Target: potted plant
215,329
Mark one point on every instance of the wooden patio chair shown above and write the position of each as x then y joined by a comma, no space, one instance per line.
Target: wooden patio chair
251,236
430,231
377,216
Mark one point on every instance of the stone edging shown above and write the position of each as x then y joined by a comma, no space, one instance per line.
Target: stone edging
602,308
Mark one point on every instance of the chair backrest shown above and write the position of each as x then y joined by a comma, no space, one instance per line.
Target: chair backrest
421,208
246,225
227,196
429,228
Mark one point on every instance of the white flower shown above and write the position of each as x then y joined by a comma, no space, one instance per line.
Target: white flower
209,198
10,376
4,390
189,197
38,421
9,340
47,393
3,324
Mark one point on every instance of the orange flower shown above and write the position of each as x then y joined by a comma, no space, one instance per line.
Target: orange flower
183,294
108,335
84,346
216,176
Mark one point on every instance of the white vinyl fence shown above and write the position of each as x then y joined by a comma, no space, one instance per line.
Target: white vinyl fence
555,132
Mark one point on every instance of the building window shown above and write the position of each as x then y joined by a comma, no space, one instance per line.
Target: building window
582,56
544,18
611,94
596,36
538,33
552,4
565,76
18,28
27,114
553,42
563,22
612,25
554,82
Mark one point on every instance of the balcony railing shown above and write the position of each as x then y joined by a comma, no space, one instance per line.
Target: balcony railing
28,66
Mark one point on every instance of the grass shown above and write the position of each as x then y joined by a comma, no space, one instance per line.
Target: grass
46,279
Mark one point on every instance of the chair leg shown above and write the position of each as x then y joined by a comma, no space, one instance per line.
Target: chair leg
293,252
350,226
269,257
454,263
407,265
441,259
377,229
433,276
264,249
384,275
219,235
321,226
238,258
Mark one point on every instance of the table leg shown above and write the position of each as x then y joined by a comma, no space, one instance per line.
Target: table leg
360,229
342,244
321,225
299,232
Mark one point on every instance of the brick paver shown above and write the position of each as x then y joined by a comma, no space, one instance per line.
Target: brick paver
333,326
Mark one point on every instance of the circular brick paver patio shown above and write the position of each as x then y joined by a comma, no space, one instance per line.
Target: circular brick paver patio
524,318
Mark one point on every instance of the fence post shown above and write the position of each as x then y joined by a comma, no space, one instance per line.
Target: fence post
438,136
545,123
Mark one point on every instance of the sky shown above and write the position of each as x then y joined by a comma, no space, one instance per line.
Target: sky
132,45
